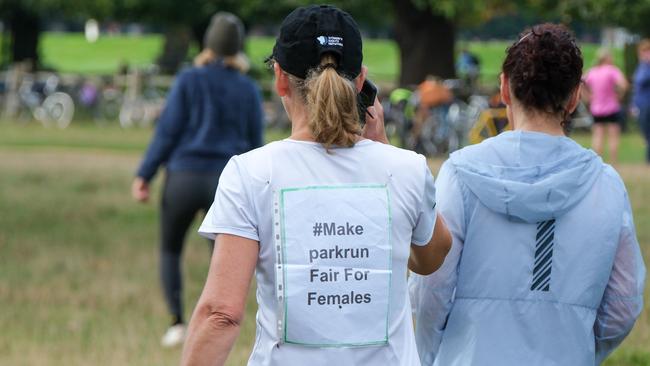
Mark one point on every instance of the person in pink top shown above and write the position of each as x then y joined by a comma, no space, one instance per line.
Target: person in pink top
605,84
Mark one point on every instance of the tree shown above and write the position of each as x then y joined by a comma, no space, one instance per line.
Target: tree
426,43
24,20
630,14
425,31
24,27
186,21
425,49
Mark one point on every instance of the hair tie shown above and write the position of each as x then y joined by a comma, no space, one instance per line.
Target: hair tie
328,65
523,38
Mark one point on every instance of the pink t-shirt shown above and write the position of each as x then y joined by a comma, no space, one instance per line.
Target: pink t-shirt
602,81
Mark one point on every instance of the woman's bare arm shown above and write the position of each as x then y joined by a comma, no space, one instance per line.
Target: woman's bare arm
219,312
426,259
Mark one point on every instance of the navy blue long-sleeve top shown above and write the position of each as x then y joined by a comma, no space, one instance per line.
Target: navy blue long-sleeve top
212,113
641,85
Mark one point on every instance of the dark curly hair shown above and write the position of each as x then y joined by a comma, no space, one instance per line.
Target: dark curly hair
544,66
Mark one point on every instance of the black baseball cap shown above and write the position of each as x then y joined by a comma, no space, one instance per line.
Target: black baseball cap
309,32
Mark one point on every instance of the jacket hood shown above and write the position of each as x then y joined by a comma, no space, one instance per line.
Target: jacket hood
528,176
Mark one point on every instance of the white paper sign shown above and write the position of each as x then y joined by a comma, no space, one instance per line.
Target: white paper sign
334,265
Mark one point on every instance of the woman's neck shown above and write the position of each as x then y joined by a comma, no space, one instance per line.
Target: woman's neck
300,130
299,125
301,133
535,122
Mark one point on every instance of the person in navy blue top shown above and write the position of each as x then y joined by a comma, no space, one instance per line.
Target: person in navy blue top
213,112
641,97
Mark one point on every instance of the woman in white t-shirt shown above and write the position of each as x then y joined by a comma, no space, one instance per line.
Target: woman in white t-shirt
328,220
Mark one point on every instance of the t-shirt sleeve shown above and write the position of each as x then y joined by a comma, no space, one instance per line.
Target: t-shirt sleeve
426,218
232,211
618,75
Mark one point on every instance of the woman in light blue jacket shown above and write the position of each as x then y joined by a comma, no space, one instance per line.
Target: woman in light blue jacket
545,267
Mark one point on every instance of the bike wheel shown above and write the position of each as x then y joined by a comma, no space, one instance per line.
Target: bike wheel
58,110
109,107
453,142
427,140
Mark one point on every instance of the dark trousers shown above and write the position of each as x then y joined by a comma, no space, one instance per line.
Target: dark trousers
184,195
644,123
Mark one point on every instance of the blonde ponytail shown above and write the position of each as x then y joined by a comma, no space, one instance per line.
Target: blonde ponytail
204,57
238,62
332,105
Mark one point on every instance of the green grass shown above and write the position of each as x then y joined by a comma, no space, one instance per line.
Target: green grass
79,259
493,53
71,53
631,149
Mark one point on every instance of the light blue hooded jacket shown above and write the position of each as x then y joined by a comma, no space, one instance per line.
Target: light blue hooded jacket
545,268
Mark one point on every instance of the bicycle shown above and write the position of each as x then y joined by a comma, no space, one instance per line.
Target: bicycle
446,125
494,120
491,122
143,101
399,111
45,101
99,98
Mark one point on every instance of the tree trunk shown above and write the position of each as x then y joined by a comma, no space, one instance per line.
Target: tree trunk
175,47
25,32
198,32
5,52
426,43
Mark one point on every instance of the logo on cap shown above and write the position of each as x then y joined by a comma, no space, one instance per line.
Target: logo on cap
330,41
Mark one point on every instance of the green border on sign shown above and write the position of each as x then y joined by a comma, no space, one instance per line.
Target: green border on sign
284,267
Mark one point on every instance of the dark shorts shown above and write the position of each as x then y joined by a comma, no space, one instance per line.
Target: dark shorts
610,118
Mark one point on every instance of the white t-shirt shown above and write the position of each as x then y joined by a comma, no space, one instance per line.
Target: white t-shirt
334,230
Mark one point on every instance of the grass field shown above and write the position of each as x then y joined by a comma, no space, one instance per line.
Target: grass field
79,259
71,53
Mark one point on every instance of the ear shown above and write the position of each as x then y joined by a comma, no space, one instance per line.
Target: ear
574,99
281,81
358,82
505,89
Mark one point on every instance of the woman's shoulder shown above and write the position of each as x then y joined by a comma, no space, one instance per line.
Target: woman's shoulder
602,70
391,157
258,155
404,165
254,166
612,70
385,153
596,73
389,149
217,70
389,154
614,180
